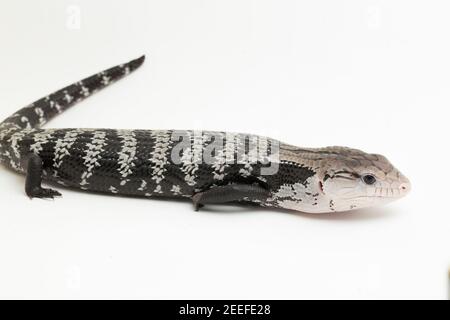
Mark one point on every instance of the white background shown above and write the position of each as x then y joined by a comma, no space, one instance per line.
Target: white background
374,75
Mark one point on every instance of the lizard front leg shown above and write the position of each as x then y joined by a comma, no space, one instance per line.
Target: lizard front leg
33,180
230,193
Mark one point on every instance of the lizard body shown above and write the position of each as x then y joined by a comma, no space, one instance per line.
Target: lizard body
207,167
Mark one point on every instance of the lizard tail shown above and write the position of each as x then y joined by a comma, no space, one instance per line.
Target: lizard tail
43,110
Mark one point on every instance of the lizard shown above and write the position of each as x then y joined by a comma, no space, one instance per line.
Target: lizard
207,167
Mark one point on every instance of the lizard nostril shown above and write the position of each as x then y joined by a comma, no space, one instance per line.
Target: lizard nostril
404,187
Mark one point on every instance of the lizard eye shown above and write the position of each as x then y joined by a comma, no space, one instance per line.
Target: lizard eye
369,179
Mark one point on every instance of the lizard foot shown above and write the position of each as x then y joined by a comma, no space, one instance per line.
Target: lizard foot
43,193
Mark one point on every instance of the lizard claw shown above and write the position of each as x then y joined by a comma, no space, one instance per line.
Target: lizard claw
43,193
196,198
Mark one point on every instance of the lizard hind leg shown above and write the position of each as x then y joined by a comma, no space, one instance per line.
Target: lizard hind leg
33,180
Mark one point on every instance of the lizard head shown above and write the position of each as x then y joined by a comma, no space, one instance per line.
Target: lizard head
353,179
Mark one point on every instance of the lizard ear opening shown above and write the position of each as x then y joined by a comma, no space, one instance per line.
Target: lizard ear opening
321,186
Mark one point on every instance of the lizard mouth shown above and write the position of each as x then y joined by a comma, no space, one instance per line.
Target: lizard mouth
373,197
